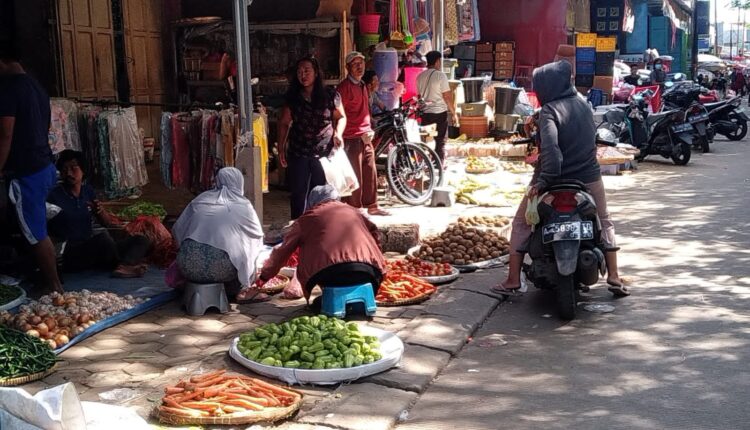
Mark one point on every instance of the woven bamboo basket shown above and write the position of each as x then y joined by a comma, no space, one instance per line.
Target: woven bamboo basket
406,302
267,415
20,380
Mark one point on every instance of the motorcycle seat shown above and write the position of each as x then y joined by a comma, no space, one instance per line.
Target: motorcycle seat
567,184
715,105
656,117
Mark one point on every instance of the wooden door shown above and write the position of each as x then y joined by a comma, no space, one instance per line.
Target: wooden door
143,45
87,41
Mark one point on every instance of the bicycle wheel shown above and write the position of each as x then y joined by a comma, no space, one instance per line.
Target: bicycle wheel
437,165
410,174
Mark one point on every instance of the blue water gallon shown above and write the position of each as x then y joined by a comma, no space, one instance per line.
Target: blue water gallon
386,64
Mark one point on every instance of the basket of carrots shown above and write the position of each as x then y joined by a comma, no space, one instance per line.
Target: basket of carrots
219,398
401,289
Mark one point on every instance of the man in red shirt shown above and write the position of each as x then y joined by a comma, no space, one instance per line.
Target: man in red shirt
358,135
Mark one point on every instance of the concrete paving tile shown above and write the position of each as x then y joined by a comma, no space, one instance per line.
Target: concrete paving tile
74,363
154,336
174,351
270,318
354,408
204,340
464,305
113,332
221,348
106,354
412,313
390,312
144,347
174,321
105,365
75,352
178,339
114,378
144,357
35,387
142,327
438,331
300,426
143,369
418,367
235,318
107,343
207,324
76,376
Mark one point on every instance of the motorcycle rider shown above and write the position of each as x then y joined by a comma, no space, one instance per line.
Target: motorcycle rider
567,151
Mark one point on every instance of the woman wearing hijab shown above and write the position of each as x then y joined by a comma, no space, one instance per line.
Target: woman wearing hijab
337,244
220,236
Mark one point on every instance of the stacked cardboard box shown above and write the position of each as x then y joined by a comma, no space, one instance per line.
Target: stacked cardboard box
504,60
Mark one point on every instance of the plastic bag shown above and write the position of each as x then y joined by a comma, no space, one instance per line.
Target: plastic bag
339,173
532,213
163,252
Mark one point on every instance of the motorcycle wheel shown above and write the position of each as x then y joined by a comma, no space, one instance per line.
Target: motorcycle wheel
410,174
702,143
683,157
437,166
566,297
741,131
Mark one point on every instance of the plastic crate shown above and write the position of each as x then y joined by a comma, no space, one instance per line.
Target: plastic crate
586,54
583,80
586,40
606,44
585,68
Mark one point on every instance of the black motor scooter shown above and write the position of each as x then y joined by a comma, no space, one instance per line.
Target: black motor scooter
728,118
665,133
565,248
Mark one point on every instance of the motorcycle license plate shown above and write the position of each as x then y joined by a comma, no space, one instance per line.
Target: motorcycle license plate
682,128
698,118
575,230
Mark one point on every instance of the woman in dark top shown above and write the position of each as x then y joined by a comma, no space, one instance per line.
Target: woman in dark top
312,122
86,248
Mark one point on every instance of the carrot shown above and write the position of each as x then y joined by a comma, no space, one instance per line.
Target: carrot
173,390
232,409
183,412
209,382
206,406
172,403
274,388
215,390
188,396
206,376
244,404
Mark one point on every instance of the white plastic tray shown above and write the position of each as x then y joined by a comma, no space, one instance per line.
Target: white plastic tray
391,347
437,280
19,301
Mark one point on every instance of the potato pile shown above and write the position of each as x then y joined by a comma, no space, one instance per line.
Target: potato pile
461,244
486,221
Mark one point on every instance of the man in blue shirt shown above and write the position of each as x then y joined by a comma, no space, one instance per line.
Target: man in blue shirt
26,159
86,248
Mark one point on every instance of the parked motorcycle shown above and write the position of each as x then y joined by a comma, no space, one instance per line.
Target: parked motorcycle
665,133
565,248
728,119
686,95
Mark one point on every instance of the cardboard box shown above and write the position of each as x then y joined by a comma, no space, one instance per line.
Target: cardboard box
505,46
506,73
586,40
484,57
603,83
504,56
484,66
484,47
504,64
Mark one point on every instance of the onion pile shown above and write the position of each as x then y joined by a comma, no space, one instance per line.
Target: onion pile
57,318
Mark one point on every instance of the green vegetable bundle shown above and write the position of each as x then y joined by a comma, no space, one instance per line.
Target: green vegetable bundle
306,342
143,208
8,293
22,355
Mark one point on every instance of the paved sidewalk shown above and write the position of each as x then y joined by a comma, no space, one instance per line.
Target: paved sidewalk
157,348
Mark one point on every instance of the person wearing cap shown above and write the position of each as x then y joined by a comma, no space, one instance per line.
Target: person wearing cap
358,135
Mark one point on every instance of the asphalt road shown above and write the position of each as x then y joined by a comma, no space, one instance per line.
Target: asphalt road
674,355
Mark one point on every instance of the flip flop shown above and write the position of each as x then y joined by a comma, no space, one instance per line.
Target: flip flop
251,296
618,290
510,292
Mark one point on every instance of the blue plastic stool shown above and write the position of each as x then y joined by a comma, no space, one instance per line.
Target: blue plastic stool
335,299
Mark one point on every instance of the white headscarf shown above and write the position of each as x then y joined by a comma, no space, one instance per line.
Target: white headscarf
225,219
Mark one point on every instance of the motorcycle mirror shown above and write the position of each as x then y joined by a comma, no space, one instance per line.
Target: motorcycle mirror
606,137
679,76
669,84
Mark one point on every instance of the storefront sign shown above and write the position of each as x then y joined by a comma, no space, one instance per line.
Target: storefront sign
702,8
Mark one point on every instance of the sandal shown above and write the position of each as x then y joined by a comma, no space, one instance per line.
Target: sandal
128,272
510,292
619,289
251,295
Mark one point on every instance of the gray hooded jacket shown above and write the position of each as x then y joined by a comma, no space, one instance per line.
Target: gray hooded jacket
566,127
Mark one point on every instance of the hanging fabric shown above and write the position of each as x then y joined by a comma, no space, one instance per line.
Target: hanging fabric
63,133
451,22
165,157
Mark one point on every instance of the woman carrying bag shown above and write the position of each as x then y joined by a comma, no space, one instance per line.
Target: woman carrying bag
311,124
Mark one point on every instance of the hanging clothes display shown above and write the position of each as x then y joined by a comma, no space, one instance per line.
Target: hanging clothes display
195,145
468,21
451,23
63,132
260,139
126,149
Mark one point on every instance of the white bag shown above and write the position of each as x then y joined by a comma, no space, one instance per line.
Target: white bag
339,172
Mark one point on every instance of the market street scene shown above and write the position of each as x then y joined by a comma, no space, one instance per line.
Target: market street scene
374,214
